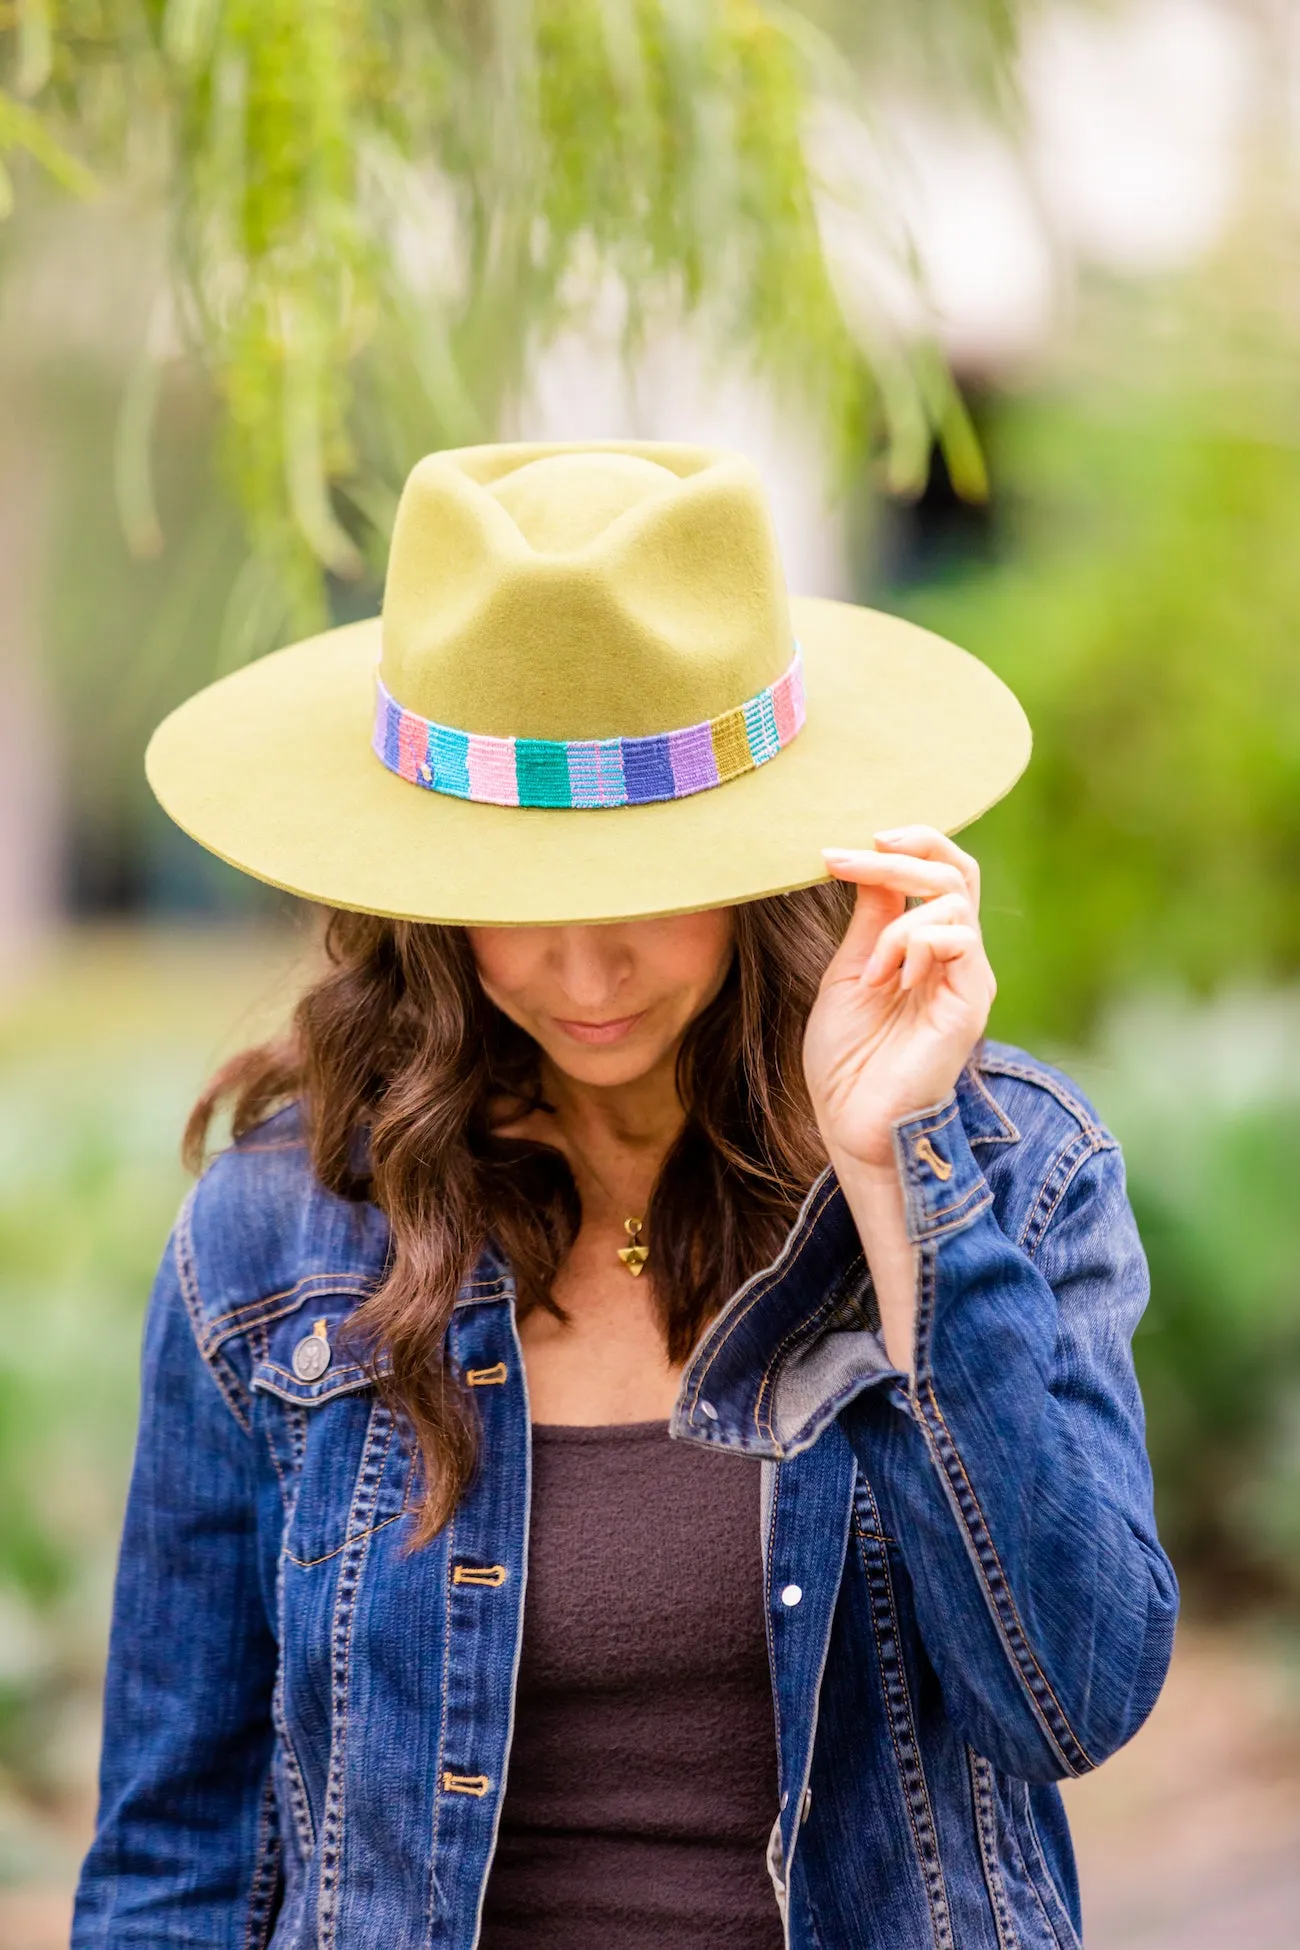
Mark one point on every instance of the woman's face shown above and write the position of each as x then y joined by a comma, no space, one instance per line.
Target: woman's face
607,1004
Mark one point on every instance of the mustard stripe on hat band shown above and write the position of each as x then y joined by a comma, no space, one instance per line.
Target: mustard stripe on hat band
590,772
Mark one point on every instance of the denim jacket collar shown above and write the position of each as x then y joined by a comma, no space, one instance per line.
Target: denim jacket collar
781,1360
789,1351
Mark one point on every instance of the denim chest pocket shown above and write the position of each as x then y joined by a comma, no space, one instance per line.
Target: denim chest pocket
345,1464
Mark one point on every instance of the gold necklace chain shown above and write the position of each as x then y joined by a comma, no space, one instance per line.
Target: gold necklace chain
634,1255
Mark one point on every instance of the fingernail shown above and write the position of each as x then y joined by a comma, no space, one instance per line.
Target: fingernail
889,833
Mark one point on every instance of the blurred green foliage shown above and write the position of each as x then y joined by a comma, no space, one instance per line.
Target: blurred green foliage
125,639
380,208
99,1062
1143,601
1205,1098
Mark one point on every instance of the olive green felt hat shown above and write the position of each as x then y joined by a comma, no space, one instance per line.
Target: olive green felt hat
589,698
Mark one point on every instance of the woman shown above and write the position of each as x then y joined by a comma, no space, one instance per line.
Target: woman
426,1632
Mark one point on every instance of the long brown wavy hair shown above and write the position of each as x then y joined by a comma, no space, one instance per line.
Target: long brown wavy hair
405,1074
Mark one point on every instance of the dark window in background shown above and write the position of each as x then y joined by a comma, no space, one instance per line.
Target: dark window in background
907,543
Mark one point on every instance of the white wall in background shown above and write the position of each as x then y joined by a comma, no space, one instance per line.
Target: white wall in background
582,390
1131,156
1139,120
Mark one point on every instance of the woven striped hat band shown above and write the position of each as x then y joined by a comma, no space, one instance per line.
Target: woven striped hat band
590,772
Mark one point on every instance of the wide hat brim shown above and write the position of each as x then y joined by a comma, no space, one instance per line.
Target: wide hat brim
272,770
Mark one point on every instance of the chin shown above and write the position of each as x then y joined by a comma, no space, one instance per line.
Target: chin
607,1067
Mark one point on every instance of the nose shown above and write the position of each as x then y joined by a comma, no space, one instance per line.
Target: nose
591,965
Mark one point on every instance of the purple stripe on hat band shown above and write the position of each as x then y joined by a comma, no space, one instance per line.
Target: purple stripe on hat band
695,768
588,772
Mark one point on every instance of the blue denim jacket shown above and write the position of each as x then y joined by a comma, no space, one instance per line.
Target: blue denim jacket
308,1727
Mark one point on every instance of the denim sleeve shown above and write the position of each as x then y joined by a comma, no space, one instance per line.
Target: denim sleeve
184,1850
1012,1469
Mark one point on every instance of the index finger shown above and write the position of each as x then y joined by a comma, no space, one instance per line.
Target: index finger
928,843
902,873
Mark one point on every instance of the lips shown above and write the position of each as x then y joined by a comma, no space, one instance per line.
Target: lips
599,1032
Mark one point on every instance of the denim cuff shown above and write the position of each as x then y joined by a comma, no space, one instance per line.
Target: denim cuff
943,1186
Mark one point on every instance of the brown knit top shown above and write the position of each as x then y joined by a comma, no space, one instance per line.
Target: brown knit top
642,1779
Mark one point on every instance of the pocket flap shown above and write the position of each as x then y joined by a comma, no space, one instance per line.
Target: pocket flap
345,1379
307,1359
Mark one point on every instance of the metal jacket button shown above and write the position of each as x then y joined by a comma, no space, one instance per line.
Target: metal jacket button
312,1355
926,1152
791,1595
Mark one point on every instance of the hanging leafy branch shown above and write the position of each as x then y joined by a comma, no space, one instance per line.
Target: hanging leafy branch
381,208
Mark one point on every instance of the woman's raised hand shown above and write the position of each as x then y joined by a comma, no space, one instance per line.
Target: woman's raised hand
906,997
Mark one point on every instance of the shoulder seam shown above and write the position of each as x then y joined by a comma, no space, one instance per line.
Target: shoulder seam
1007,1067
1008,1133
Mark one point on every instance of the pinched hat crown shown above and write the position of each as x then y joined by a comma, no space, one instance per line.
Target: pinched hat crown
602,593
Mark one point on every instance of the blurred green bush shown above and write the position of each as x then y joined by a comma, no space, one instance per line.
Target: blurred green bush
1206,1101
368,238
99,1062
1143,600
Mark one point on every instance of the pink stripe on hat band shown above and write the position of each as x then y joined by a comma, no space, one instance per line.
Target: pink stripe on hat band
492,774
